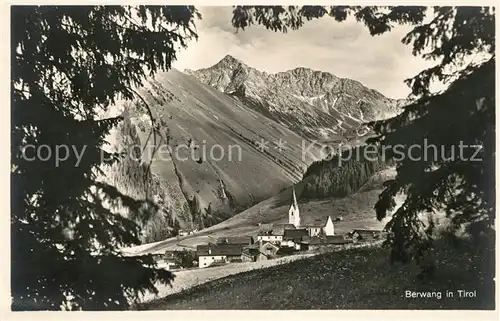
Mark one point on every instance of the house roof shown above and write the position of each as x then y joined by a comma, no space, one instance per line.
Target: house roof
251,251
368,235
314,222
219,249
271,244
295,235
333,239
242,240
255,252
371,232
279,229
267,256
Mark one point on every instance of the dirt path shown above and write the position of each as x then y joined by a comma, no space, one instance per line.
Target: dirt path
189,278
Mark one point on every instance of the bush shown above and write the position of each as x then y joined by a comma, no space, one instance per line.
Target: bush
185,258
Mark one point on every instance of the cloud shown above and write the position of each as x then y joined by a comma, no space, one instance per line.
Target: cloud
345,49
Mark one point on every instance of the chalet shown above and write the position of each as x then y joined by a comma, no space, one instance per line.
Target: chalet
264,257
250,254
269,237
268,249
254,254
169,261
276,234
365,235
218,253
239,240
314,243
292,238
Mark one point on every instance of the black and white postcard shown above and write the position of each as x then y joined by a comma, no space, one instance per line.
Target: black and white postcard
241,157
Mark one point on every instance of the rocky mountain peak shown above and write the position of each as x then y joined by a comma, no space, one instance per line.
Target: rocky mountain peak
301,70
313,103
228,61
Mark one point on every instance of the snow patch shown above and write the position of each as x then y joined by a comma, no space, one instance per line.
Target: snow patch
354,118
309,100
334,102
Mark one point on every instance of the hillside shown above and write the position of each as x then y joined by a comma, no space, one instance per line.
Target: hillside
196,183
350,279
356,210
208,160
315,104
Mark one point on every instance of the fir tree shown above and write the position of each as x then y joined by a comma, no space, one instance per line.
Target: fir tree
463,113
69,65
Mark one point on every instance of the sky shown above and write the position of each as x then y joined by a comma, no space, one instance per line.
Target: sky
345,49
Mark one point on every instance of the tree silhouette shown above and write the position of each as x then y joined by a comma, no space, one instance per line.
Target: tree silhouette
69,65
462,42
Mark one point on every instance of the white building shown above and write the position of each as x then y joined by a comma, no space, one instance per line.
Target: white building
293,212
270,238
321,225
290,234
220,253
314,227
292,238
276,234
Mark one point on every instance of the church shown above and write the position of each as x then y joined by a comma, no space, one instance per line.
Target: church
314,227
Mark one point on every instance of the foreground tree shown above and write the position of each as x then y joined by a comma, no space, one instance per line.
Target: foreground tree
69,65
459,183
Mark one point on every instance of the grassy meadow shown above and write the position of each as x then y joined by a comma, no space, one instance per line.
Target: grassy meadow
361,278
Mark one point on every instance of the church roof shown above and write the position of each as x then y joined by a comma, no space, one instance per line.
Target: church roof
294,235
314,221
294,203
279,229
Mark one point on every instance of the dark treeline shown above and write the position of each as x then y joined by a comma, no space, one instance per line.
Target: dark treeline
343,174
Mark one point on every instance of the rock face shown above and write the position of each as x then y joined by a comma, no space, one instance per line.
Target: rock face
314,104
208,162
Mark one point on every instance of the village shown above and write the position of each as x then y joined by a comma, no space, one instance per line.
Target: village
283,239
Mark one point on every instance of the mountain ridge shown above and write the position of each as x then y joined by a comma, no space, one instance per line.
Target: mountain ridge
232,104
193,118
231,60
313,103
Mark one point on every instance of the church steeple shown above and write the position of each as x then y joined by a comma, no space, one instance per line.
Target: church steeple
293,212
294,199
